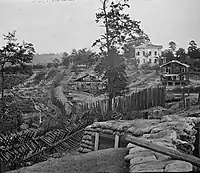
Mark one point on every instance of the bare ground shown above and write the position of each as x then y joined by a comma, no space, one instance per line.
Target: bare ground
109,160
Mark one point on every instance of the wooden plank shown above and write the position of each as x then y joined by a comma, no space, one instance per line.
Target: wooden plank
116,141
198,138
133,102
166,151
146,98
164,95
96,141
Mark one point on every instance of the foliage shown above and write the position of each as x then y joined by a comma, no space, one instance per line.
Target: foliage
14,54
172,46
79,57
168,54
181,55
193,50
49,64
119,80
65,59
38,66
56,62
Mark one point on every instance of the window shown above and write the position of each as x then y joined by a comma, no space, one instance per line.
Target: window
143,53
143,60
155,53
138,53
149,53
150,61
155,61
174,77
168,70
183,70
182,77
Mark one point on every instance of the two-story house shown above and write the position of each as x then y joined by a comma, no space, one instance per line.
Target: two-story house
148,54
174,73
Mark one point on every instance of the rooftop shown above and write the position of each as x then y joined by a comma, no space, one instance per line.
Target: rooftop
149,46
175,61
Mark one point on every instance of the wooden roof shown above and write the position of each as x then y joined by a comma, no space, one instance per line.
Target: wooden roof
92,78
175,61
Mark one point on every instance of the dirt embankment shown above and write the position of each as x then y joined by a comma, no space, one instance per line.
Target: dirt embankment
109,160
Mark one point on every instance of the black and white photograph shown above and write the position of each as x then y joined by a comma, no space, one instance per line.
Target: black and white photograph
99,86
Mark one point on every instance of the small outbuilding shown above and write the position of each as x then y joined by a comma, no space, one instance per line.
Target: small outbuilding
88,83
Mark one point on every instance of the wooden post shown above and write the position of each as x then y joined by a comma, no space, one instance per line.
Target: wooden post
198,141
183,96
163,150
188,90
116,141
187,103
96,141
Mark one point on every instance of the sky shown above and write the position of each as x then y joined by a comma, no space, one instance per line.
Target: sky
56,26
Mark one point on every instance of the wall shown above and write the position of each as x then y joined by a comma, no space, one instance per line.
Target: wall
151,57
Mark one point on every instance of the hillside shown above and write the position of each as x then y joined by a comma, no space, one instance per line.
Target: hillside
45,58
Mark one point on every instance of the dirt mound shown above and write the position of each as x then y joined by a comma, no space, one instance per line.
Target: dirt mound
109,160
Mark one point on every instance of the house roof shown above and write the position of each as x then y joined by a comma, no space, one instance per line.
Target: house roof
175,61
149,46
85,75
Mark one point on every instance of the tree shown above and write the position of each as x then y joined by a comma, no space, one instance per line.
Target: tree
83,57
181,55
38,66
56,62
14,54
118,28
49,64
193,51
168,54
172,46
65,59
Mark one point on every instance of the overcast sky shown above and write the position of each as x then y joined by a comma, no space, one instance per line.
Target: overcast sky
61,26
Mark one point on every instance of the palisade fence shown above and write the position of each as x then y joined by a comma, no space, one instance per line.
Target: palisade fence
143,99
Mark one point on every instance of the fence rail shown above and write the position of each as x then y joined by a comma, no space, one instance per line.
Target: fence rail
144,99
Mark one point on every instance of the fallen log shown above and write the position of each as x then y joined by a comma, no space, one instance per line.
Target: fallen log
166,151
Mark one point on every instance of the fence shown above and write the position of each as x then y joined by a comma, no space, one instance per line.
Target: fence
144,99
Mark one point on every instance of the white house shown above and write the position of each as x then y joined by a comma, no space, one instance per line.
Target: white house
148,54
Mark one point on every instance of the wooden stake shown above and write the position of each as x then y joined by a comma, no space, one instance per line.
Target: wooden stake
166,151
199,141
96,142
116,141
